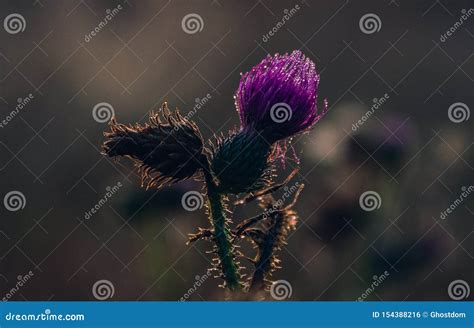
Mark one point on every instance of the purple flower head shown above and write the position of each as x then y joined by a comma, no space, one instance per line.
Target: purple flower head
278,96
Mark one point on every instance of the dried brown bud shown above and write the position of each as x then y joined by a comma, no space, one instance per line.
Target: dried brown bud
167,149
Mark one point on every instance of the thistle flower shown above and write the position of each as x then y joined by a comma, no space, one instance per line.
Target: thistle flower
167,149
275,101
277,98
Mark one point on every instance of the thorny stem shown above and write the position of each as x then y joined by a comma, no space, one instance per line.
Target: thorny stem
270,242
222,235
273,240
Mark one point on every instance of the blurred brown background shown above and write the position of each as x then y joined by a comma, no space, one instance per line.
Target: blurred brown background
409,151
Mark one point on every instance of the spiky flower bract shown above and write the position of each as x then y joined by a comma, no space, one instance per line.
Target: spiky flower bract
277,97
167,149
241,163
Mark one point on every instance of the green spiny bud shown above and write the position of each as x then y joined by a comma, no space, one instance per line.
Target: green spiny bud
241,163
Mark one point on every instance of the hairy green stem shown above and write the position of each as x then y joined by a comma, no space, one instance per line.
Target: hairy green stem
222,236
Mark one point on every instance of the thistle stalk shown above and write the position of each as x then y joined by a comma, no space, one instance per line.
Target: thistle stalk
266,263
222,237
